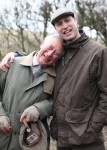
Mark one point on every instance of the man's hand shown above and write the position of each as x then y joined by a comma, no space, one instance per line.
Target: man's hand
4,124
5,62
31,114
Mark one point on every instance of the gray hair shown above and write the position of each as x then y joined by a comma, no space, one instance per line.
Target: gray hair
51,36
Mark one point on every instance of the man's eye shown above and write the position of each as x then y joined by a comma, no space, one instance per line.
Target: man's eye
56,53
58,24
67,20
50,47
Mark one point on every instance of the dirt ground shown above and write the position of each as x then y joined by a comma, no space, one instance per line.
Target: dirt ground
53,145
105,135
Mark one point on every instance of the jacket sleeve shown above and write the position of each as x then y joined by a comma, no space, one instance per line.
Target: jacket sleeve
100,113
2,86
45,107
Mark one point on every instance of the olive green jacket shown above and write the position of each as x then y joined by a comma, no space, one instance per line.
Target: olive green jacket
18,91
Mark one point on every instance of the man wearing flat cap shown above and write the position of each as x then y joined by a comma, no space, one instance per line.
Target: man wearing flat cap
61,13
80,95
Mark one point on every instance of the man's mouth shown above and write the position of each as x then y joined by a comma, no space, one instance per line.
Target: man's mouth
67,31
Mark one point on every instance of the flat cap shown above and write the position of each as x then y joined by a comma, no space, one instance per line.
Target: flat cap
36,139
60,13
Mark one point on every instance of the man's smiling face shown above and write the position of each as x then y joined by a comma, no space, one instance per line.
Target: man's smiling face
67,28
50,51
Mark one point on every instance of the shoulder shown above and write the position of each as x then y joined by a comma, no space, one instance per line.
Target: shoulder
96,44
94,47
17,60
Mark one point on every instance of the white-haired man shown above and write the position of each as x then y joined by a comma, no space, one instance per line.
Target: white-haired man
26,91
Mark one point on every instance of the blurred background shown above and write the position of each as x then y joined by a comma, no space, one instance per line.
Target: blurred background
24,23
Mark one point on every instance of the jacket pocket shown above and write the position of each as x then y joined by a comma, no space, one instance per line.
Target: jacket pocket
78,120
81,129
96,126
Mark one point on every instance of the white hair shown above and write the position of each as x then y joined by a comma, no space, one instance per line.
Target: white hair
49,37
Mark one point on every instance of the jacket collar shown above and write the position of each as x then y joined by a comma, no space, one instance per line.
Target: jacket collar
27,61
77,43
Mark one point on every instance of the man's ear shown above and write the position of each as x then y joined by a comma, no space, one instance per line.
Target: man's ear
75,20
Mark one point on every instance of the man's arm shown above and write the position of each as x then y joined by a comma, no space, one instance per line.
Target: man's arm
4,65
45,108
5,62
5,125
38,110
100,113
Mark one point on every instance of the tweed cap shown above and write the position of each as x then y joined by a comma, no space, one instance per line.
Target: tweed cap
34,140
60,13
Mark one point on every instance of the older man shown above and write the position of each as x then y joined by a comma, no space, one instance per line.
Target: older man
25,94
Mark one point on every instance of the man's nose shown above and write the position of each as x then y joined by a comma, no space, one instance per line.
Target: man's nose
50,53
64,25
